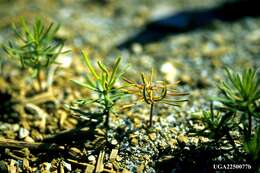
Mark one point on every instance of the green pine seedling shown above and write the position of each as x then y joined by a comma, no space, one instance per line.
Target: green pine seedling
241,92
215,125
102,82
35,47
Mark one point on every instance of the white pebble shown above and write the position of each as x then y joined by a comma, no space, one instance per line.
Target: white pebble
171,119
65,60
23,133
15,127
67,165
170,72
91,158
114,142
137,48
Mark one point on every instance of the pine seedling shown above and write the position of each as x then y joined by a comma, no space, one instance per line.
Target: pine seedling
35,47
154,92
102,83
215,125
241,93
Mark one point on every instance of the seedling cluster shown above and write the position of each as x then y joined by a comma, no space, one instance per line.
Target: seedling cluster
37,50
103,83
239,113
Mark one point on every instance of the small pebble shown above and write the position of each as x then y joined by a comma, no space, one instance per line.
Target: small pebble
114,142
75,152
46,166
23,133
137,48
118,158
92,158
173,142
134,141
170,72
186,78
182,139
254,36
109,165
64,61
29,139
152,136
15,127
67,165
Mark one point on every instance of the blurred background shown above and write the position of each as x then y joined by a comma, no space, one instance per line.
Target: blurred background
107,24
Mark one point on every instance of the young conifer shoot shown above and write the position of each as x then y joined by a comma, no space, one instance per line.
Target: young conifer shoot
101,82
35,47
241,93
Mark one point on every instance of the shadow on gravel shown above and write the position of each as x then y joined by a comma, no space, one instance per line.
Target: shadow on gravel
190,20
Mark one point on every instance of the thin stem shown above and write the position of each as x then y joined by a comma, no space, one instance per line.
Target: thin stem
39,80
249,124
151,115
106,113
107,108
1,66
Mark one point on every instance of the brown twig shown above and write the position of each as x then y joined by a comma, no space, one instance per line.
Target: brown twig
68,136
13,144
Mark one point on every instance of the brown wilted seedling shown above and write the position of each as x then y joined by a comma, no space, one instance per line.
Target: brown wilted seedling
154,92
